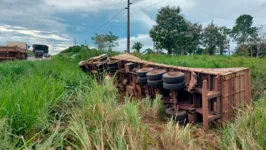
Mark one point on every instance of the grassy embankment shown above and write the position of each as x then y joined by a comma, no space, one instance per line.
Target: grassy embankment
52,104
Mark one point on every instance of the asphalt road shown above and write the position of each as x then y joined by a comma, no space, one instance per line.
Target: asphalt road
37,59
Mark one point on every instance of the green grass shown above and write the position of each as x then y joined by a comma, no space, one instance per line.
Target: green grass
53,104
248,130
31,92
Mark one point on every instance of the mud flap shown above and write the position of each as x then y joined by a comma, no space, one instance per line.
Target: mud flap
193,82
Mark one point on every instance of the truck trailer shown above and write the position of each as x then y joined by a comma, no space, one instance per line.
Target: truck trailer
191,95
13,51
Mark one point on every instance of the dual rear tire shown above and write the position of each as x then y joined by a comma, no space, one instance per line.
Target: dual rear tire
155,78
174,81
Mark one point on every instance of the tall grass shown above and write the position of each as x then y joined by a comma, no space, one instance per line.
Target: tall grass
248,130
30,93
103,123
177,137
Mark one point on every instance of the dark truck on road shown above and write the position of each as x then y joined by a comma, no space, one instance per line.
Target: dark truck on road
40,50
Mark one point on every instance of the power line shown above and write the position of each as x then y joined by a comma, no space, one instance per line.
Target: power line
105,14
117,4
156,3
137,1
142,9
110,20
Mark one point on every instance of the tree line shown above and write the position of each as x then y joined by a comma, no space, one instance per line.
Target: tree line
176,35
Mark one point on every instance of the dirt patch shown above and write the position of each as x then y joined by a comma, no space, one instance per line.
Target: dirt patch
154,72
173,74
145,70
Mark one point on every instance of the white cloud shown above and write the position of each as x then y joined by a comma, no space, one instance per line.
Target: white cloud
32,33
142,38
85,5
55,42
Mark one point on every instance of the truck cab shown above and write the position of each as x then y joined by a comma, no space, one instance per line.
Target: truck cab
40,50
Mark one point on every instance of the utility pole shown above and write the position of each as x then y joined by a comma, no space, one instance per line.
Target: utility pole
128,25
75,41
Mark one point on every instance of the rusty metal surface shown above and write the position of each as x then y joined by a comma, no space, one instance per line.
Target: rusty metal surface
12,53
12,49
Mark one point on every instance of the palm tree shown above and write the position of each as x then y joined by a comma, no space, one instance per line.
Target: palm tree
137,46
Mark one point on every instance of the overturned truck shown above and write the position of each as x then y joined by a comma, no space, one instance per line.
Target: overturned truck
193,95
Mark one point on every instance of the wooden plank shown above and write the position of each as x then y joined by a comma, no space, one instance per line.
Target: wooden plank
217,103
199,110
242,87
213,94
209,82
225,102
205,106
245,86
232,96
248,101
236,93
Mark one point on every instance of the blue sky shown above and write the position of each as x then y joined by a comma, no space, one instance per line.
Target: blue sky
57,22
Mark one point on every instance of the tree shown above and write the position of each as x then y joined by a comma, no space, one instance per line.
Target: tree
99,40
215,39
111,40
170,29
210,38
137,46
105,41
223,42
194,41
243,30
148,51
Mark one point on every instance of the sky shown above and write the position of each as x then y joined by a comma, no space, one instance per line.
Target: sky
58,23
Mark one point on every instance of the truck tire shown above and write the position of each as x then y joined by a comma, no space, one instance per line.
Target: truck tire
174,77
177,115
155,75
143,72
142,80
130,66
156,83
174,87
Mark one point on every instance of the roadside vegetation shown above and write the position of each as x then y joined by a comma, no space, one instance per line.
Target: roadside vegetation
53,104
30,53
